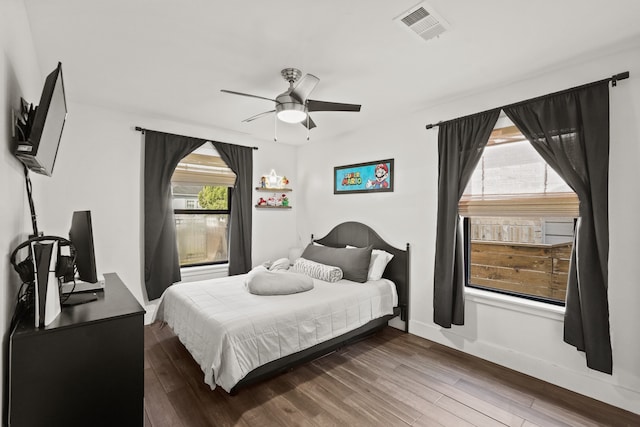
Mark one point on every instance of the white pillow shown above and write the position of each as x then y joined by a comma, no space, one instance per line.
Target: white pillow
313,269
379,261
279,264
294,254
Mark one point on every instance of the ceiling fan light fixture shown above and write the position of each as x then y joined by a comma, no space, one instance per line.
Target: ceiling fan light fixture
291,112
293,105
292,116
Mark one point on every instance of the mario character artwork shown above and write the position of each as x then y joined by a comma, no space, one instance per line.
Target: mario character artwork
381,174
365,177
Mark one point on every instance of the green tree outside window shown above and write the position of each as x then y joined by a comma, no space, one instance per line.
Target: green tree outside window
213,197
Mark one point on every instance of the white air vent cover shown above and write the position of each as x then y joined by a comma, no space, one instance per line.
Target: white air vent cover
423,21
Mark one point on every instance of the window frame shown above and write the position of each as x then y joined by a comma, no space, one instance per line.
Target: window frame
467,272
208,212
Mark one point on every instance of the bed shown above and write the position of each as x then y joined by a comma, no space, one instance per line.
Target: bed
239,338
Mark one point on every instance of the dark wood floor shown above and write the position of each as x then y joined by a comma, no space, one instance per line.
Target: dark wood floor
390,379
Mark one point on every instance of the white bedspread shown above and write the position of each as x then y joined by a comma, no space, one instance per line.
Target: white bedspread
230,332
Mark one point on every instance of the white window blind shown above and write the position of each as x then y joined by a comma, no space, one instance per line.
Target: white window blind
559,205
202,169
512,179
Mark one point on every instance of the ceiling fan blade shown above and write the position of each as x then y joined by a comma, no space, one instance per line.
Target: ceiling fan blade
304,87
246,94
257,116
313,105
311,123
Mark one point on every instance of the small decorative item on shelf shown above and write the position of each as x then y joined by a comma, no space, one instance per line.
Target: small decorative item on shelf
272,180
271,201
275,201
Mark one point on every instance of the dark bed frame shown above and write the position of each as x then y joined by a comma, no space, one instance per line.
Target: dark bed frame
360,235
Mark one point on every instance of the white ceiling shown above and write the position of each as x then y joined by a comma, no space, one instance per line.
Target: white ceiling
170,58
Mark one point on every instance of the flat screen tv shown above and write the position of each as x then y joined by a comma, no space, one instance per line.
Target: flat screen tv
38,148
81,235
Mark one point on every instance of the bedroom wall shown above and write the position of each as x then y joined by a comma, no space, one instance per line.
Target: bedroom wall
99,168
19,77
524,338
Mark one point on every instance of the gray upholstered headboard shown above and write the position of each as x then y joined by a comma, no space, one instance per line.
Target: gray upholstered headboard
361,235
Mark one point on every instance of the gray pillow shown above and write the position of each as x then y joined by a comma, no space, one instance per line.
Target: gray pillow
354,262
261,281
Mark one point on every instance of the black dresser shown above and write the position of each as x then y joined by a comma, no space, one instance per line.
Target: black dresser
84,369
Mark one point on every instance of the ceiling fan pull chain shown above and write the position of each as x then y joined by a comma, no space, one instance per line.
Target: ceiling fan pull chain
307,126
275,128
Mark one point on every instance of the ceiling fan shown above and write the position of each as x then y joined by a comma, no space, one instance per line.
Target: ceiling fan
294,105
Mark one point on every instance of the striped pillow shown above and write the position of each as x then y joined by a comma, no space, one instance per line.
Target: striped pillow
327,273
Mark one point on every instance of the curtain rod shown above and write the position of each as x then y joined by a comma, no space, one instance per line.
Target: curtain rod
143,130
613,79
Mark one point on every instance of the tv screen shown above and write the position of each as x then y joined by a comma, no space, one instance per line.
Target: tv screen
39,148
81,235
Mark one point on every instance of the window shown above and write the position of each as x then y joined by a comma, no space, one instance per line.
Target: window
202,190
519,221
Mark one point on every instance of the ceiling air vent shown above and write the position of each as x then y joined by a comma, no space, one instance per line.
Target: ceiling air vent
423,21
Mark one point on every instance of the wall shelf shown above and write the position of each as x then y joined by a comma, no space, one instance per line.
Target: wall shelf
272,207
273,190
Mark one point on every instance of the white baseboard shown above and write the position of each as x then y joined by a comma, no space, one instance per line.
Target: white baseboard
150,312
397,323
562,376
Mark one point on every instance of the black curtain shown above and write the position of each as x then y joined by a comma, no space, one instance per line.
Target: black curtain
571,132
162,153
240,161
460,146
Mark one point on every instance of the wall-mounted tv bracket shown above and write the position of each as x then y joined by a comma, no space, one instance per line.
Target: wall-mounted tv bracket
23,121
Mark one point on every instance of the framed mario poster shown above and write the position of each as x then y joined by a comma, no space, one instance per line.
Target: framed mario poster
368,177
